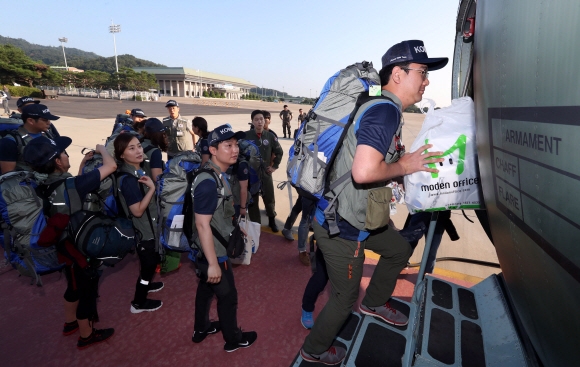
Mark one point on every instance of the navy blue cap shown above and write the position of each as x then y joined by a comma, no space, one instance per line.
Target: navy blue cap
38,110
412,51
224,132
137,112
41,150
154,125
25,100
171,103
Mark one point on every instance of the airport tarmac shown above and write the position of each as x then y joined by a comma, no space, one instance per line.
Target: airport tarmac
89,121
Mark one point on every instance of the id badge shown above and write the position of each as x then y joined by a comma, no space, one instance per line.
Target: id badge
374,90
179,133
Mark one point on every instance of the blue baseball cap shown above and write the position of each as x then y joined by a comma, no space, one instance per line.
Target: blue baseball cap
172,103
137,112
412,51
39,111
224,132
25,100
41,150
153,125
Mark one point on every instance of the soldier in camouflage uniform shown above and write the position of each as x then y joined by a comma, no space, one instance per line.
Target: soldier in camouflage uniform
271,153
179,130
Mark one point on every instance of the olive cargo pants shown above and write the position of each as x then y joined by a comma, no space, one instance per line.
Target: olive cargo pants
344,263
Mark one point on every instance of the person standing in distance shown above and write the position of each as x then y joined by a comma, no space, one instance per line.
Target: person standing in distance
212,263
271,153
365,153
179,131
286,117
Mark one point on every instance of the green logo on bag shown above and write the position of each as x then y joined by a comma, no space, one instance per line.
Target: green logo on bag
460,144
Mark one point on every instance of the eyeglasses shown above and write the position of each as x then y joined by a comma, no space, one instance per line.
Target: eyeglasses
424,73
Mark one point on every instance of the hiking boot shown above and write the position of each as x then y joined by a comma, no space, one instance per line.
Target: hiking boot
149,305
304,258
155,287
97,336
70,328
248,338
307,320
387,313
287,233
272,224
199,336
333,356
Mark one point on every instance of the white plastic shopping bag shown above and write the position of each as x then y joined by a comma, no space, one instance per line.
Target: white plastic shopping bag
246,256
451,130
253,233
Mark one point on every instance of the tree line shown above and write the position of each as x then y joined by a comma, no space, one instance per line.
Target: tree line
17,67
52,55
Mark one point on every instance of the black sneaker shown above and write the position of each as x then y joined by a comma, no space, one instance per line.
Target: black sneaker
149,305
70,328
248,338
272,224
155,287
199,336
96,336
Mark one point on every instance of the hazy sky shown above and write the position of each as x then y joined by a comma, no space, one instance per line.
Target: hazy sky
293,46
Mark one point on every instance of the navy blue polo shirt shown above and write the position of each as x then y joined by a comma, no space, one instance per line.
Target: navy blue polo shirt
130,190
242,170
206,200
376,129
87,183
156,160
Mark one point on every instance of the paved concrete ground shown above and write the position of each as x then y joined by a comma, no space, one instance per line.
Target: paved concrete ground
89,131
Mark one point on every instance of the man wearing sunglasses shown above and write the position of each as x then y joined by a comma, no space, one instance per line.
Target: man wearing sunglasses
367,155
37,121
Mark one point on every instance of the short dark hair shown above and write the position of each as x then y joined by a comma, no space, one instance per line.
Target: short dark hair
201,124
121,143
386,72
257,112
158,139
26,116
266,115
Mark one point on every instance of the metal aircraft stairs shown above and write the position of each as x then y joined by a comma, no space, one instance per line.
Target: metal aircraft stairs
449,325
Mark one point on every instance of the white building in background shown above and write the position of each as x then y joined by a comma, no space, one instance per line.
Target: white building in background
185,82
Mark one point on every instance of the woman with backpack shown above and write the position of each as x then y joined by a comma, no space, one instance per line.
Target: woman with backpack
137,199
49,157
199,125
155,141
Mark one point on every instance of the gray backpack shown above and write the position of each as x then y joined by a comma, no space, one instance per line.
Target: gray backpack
322,130
22,221
171,189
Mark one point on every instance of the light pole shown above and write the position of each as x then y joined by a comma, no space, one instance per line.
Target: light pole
115,28
64,40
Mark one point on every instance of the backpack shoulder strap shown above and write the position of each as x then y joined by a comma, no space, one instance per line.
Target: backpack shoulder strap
74,199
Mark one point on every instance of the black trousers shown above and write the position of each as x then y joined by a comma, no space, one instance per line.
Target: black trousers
296,209
82,286
227,301
316,283
148,259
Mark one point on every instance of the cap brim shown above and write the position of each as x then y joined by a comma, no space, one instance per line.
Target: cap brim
433,63
51,117
63,142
